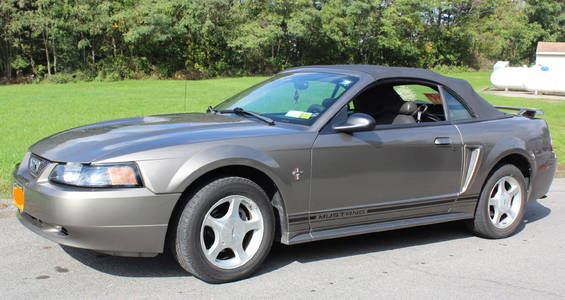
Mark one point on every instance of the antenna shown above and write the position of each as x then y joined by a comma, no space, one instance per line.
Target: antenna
185,95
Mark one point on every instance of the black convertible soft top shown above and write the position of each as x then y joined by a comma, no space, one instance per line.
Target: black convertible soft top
462,88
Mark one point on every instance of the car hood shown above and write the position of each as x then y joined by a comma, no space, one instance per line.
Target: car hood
109,139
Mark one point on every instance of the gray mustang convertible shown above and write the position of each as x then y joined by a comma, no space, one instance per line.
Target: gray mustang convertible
312,153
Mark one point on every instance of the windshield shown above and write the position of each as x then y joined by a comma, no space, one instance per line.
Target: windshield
298,98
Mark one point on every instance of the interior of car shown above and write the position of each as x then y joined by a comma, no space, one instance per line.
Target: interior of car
400,103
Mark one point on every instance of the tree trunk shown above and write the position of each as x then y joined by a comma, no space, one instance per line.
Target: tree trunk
46,46
8,55
114,45
31,61
45,43
9,65
83,50
3,58
54,57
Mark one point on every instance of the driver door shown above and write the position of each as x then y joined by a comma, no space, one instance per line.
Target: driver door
392,172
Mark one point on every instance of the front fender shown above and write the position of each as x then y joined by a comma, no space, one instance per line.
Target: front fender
221,156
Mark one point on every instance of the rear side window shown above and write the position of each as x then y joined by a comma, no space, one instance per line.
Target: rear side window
457,111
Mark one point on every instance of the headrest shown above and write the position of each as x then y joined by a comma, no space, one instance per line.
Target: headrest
408,108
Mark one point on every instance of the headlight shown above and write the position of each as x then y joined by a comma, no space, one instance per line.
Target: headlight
115,175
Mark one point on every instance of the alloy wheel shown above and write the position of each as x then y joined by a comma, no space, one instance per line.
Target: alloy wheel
504,202
231,232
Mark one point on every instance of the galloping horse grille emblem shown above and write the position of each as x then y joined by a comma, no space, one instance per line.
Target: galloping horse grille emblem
36,165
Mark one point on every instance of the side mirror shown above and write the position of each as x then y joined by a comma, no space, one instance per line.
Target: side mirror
356,122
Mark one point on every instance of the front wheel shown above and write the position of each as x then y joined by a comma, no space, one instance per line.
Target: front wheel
225,231
501,205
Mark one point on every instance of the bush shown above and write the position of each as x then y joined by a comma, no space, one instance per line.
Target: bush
444,69
121,67
66,77
19,64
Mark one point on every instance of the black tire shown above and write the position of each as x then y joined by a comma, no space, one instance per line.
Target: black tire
482,225
187,237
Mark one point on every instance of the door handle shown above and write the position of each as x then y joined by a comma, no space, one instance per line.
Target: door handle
442,141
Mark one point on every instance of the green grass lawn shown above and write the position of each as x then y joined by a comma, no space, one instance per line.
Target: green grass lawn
30,112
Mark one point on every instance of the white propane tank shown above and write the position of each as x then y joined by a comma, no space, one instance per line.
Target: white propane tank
510,78
537,79
545,80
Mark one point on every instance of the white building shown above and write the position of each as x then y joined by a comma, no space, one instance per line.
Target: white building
551,54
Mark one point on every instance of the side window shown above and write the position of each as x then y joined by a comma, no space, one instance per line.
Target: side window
427,99
400,102
418,93
457,111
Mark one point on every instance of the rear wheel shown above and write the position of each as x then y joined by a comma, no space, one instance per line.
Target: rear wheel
502,203
225,231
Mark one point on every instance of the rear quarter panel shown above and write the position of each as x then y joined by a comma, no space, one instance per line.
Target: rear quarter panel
513,135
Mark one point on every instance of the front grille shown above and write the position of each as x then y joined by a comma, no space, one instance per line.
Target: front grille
36,165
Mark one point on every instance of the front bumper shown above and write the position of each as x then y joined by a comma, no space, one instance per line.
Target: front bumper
127,222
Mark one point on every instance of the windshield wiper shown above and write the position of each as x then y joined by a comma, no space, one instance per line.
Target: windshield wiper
241,111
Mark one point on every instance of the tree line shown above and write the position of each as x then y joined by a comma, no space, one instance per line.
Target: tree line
116,39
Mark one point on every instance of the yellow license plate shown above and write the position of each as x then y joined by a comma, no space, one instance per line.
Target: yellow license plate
18,194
